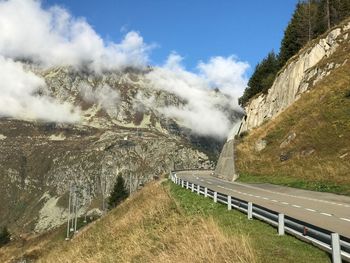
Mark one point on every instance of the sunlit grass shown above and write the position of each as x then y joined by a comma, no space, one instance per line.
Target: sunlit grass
268,246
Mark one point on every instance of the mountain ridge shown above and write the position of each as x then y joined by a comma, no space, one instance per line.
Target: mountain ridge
121,132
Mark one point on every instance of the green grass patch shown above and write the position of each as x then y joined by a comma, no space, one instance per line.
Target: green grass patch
267,244
295,182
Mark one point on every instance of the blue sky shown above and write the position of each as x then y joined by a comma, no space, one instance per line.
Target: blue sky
196,29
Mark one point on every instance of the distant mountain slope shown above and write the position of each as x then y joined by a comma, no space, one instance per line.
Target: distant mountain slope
121,132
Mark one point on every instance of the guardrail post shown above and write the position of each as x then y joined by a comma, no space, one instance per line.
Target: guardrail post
250,210
229,204
205,192
182,183
198,189
187,185
176,180
280,224
336,256
215,197
192,189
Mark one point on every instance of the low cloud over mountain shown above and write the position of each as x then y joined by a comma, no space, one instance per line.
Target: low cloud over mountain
49,37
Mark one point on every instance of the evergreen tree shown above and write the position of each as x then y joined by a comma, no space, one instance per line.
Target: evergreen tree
5,236
119,192
344,9
310,19
324,16
300,29
262,78
331,13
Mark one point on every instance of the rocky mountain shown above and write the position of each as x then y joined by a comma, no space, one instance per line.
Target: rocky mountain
301,73
298,133
39,160
279,112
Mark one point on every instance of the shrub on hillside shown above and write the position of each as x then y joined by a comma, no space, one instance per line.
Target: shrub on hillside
5,236
347,94
119,192
243,134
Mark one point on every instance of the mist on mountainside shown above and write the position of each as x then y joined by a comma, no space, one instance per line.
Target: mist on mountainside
36,38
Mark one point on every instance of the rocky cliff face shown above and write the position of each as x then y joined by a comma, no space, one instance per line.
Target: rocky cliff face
39,161
300,74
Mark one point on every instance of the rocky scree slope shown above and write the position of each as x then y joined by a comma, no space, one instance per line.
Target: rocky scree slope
39,160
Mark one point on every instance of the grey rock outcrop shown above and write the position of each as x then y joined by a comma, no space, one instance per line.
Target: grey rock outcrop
299,75
260,145
225,168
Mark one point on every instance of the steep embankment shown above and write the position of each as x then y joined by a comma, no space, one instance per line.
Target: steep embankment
308,143
166,223
148,227
301,73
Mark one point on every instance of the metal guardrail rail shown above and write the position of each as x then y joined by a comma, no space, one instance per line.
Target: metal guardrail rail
333,243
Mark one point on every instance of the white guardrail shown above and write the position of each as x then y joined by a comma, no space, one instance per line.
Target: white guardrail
334,244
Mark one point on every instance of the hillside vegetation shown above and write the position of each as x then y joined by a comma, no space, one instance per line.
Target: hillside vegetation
148,227
308,145
310,19
165,223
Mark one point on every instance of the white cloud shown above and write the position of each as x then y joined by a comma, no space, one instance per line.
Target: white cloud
19,97
103,95
205,111
228,74
53,37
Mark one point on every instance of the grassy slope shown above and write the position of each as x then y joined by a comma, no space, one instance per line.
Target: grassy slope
321,121
267,245
148,227
165,223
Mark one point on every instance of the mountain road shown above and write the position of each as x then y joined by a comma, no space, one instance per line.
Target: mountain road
325,210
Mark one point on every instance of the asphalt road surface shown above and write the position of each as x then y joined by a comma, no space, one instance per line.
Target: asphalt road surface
325,210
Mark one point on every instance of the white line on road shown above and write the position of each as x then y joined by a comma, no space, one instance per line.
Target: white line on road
309,209
325,214
285,203
295,196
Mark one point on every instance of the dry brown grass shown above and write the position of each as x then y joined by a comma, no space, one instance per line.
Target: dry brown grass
150,227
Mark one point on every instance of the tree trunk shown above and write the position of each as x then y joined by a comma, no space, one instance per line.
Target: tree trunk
328,15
